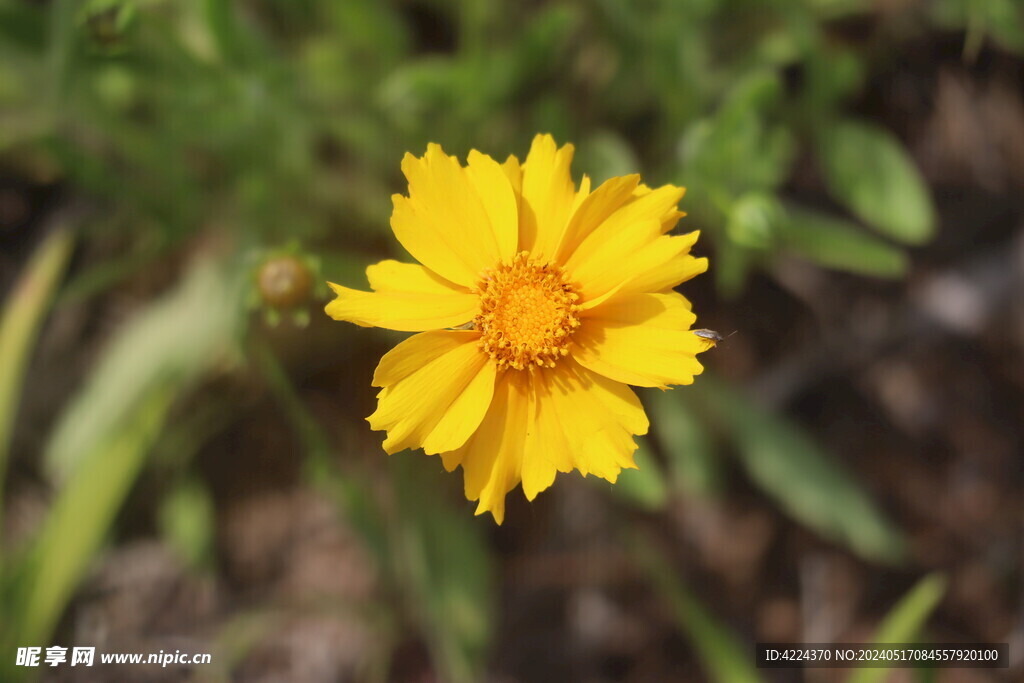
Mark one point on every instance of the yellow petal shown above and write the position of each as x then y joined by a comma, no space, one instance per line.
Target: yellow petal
443,223
657,266
581,420
417,351
594,210
620,256
405,311
640,339
499,199
492,457
652,205
669,215
394,276
544,422
662,278
440,403
548,196
637,262
514,172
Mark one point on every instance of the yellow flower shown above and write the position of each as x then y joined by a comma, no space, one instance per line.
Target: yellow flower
537,304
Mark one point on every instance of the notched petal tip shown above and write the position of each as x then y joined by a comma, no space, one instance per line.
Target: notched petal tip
498,514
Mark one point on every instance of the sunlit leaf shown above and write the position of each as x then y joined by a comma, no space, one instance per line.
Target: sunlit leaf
84,511
176,337
20,319
105,433
789,466
839,244
867,169
904,622
187,521
753,220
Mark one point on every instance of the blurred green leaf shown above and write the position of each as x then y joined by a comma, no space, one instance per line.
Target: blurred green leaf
904,623
791,468
543,41
720,652
733,265
186,520
107,20
175,338
867,169
836,243
645,486
1001,20
21,318
83,513
740,148
605,155
753,220
102,438
692,462
22,27
443,565
832,74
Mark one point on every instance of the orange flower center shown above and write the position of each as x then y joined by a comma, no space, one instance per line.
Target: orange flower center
528,312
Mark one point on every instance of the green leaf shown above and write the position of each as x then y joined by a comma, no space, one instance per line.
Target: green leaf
753,220
186,521
83,512
442,565
809,485
21,318
692,463
733,265
176,337
867,169
104,435
645,486
904,623
839,244
720,652
605,155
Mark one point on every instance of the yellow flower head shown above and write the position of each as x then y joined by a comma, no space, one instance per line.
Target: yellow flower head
537,303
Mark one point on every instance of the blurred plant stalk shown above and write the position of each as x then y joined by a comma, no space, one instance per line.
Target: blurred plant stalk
23,314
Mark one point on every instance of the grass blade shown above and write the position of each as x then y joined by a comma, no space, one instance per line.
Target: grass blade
793,469
904,623
721,653
22,316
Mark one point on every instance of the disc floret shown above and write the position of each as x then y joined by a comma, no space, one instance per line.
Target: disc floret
528,312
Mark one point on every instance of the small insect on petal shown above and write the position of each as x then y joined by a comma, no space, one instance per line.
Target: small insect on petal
709,337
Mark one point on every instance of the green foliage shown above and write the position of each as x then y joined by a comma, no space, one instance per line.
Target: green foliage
646,486
686,443
80,519
175,339
807,483
103,437
904,622
20,320
721,654
256,124
866,169
187,522
835,243
444,568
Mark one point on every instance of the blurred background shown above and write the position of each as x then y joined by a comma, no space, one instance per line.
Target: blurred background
184,459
